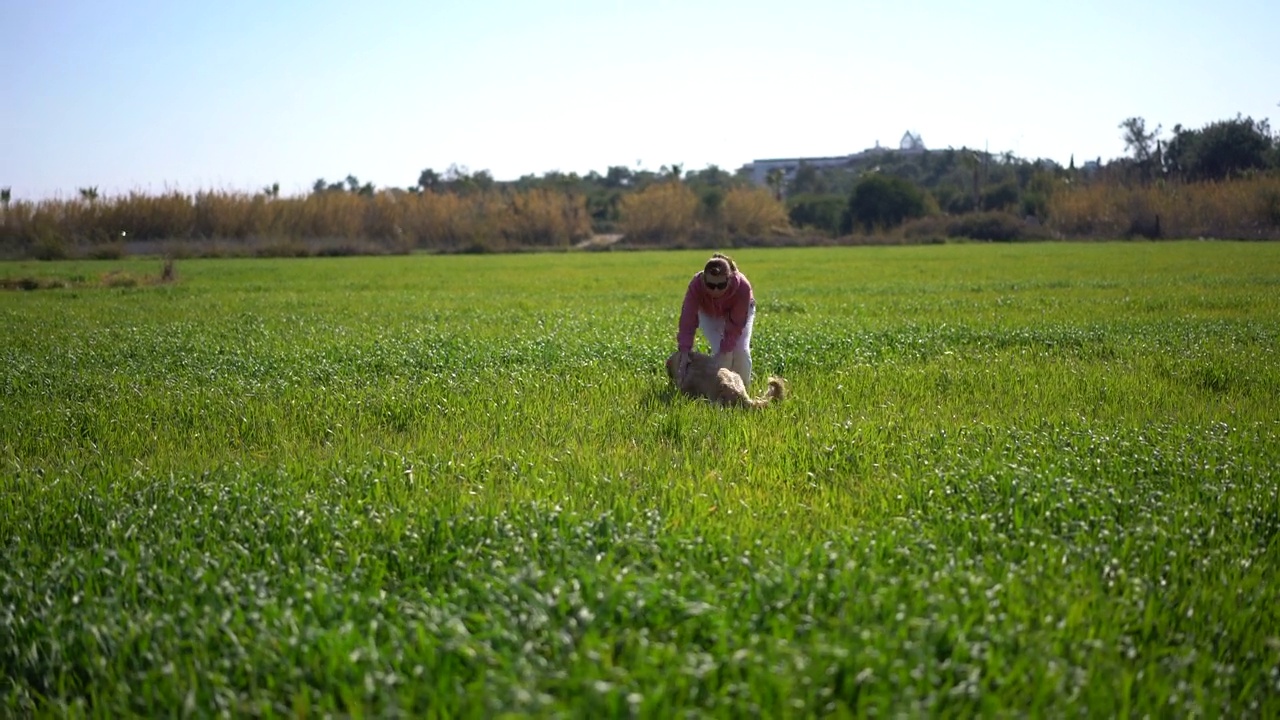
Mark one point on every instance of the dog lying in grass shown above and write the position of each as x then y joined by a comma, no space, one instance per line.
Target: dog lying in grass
722,386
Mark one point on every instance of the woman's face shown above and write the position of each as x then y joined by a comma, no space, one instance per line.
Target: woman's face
716,286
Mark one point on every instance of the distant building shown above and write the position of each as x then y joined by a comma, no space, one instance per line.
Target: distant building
911,143
759,170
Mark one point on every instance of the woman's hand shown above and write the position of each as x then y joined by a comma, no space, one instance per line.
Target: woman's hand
682,366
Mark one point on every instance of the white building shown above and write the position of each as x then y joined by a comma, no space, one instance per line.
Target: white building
759,170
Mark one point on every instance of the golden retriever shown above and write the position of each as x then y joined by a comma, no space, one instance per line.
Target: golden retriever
704,378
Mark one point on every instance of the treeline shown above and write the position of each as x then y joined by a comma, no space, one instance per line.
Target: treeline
1222,180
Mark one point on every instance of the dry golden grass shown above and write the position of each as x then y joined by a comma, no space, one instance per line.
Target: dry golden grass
1246,208
394,221
663,212
667,213
543,218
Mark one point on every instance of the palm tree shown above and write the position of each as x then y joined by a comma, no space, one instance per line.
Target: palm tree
969,159
774,180
89,193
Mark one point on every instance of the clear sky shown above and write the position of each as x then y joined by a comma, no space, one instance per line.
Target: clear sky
149,95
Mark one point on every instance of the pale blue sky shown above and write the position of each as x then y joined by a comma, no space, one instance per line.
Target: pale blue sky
237,94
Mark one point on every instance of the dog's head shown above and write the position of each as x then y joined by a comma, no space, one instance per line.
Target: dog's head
671,365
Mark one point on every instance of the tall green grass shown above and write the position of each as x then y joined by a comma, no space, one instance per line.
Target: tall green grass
1010,480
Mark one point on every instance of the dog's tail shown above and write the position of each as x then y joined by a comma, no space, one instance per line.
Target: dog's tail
776,392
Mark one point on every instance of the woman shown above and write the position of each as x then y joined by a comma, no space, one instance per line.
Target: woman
719,300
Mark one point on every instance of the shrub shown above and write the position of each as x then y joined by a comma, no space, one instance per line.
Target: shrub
712,200
106,251
994,226
1000,197
928,229
882,201
282,248
49,247
820,212
751,211
1035,204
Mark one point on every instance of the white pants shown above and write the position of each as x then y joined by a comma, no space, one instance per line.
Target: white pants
737,358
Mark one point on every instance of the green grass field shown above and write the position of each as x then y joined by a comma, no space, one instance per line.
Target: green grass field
1009,480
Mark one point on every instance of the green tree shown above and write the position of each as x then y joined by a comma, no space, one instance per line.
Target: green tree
323,186
429,180
710,176
89,193
483,180
808,180
1137,140
460,180
617,176
1220,150
1142,143
882,201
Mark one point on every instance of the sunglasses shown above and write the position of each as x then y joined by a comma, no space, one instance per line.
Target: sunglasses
718,286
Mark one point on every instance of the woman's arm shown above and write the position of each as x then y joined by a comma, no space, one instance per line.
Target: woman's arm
688,316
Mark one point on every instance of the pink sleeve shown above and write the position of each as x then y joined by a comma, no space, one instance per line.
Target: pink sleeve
737,318
688,317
